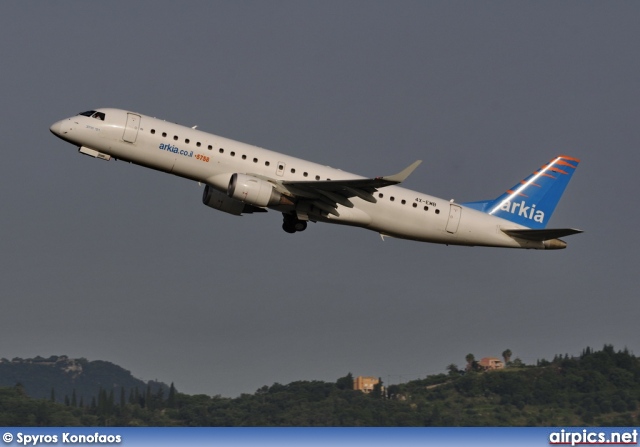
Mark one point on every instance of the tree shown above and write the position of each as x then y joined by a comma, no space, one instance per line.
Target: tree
506,355
453,369
132,397
517,363
171,400
345,383
393,391
470,358
377,389
20,389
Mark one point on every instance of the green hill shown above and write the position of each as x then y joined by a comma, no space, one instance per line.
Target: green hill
71,379
595,388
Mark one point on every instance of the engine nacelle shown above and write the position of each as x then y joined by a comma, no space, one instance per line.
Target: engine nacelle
220,201
255,191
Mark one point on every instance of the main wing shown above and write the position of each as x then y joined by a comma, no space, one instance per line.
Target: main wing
328,194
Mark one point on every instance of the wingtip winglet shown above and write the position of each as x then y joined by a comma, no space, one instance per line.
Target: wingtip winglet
406,172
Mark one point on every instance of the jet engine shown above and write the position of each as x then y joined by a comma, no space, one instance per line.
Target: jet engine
255,191
220,201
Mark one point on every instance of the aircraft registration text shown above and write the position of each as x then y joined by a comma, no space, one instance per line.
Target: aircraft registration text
426,202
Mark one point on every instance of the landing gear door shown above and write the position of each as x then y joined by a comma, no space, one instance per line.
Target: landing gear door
131,129
454,218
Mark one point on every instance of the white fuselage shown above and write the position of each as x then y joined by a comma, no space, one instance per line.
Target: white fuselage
210,159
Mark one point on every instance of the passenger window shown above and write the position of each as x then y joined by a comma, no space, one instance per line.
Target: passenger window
221,150
266,163
403,201
164,134
437,211
153,131
317,177
186,140
233,154
392,198
293,171
415,205
244,157
175,137
305,174
198,144
380,195
255,160
209,147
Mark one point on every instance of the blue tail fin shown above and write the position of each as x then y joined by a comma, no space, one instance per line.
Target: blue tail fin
532,201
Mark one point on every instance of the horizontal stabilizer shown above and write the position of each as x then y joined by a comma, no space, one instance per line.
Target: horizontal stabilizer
541,235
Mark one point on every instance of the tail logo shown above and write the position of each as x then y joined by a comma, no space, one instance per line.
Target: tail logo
531,201
521,209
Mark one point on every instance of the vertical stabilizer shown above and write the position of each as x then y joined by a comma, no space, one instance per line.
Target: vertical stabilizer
532,201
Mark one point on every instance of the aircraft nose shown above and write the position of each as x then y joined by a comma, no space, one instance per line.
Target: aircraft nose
56,128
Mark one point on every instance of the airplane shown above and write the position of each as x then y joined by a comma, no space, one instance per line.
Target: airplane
242,179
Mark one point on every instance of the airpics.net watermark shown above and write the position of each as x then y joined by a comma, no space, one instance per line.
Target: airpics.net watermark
588,437
61,438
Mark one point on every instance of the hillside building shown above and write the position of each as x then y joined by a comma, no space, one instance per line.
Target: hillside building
491,363
365,384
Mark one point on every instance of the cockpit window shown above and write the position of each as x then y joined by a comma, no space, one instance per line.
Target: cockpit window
93,114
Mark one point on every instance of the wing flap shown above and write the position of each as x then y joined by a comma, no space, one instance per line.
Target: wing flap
362,188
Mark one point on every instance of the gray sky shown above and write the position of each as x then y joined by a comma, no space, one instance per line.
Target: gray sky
115,262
